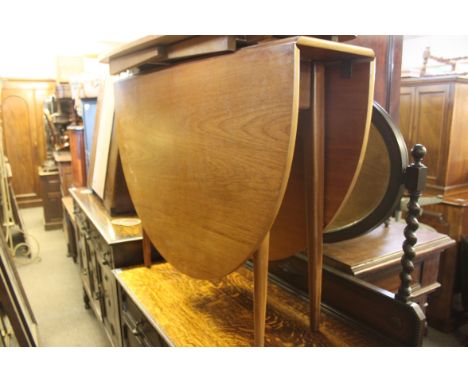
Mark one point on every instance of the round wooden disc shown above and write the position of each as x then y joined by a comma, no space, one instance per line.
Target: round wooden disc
206,149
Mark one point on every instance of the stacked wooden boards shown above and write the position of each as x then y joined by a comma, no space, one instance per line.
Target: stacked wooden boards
222,154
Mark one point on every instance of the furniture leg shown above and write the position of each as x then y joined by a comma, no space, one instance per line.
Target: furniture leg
260,261
314,192
146,250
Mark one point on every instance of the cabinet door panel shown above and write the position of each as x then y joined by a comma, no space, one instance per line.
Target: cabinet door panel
407,115
17,125
430,122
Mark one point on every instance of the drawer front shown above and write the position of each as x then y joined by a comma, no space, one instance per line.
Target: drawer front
136,329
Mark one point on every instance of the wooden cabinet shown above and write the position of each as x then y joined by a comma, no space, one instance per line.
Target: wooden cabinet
137,331
450,217
51,198
163,307
103,246
434,112
23,134
375,258
69,227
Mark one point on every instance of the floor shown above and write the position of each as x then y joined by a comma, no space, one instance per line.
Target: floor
52,283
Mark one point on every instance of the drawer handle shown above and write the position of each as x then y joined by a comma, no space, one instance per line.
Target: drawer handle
136,330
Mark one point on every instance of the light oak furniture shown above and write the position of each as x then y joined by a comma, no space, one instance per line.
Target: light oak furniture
22,103
102,246
163,307
246,105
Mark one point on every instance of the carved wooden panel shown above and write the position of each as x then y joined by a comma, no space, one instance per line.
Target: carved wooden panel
407,114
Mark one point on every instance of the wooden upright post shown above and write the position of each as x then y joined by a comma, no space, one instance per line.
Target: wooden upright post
146,250
260,261
314,191
415,181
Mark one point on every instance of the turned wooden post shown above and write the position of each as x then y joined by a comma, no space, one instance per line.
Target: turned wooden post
415,180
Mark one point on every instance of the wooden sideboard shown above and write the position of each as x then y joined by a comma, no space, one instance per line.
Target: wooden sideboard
163,307
434,112
69,227
102,246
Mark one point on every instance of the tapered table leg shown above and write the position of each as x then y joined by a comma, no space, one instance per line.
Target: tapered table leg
146,250
314,191
260,260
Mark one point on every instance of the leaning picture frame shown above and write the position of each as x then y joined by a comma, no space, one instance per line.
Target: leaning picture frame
13,300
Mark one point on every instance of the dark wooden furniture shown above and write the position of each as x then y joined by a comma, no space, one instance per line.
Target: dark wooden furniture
69,227
388,52
434,112
163,307
22,103
63,160
450,217
51,197
103,246
375,258
78,155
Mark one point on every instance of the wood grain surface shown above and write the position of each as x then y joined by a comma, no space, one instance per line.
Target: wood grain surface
206,149
191,312
371,184
22,103
94,209
260,273
347,125
380,247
